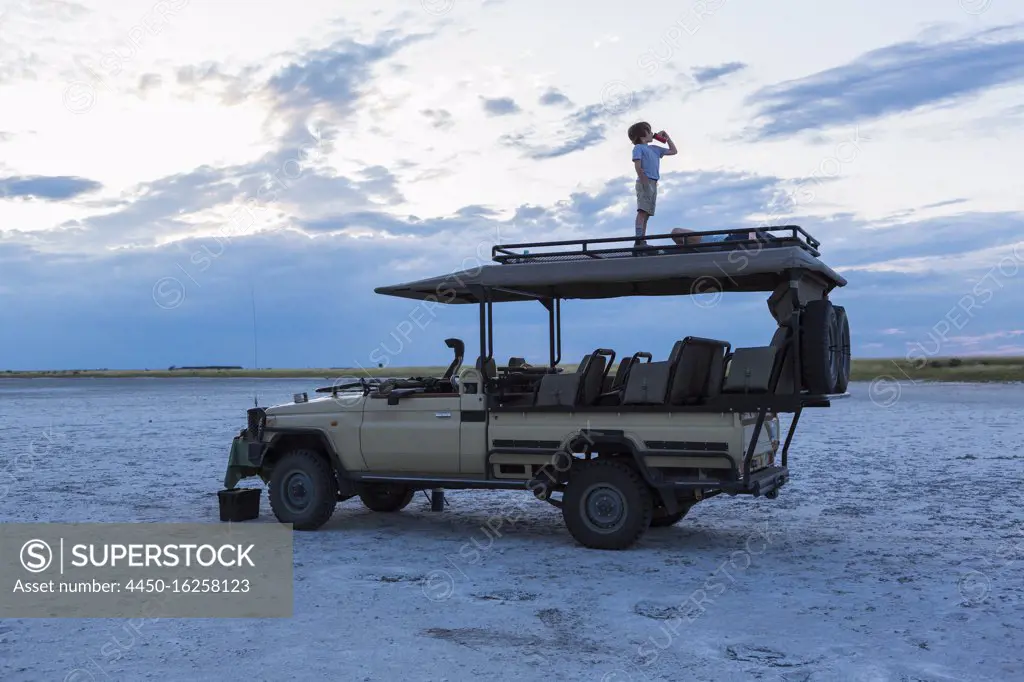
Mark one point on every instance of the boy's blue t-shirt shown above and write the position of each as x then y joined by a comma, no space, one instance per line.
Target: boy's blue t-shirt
650,159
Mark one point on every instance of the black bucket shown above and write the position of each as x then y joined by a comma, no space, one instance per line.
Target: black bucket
239,504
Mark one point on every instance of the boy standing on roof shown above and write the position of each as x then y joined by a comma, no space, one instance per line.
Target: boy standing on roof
647,163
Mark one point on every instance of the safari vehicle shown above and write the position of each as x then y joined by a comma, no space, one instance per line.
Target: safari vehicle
617,452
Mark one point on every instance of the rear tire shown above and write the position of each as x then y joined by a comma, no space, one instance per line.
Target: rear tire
818,343
606,505
386,497
843,349
303,490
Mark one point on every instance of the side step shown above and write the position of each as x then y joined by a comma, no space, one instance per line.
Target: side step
426,482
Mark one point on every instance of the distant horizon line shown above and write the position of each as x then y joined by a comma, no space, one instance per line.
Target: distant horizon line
244,368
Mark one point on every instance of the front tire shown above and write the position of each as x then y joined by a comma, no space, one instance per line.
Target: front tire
606,505
385,497
303,491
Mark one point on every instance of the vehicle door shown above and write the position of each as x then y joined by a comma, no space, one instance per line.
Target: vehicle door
411,433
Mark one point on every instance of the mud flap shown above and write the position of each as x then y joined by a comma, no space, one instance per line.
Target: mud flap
239,465
668,498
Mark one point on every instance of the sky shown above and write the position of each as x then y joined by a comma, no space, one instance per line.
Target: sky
193,182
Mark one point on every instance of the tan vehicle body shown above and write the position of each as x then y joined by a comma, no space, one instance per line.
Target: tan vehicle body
424,435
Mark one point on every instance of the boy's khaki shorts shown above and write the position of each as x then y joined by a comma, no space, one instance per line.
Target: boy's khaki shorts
646,196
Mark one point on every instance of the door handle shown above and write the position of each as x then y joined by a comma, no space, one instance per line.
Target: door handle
443,415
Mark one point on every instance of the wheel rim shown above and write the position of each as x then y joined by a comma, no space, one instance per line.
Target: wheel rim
604,508
297,491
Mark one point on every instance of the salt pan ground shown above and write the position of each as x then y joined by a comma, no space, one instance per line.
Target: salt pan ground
894,554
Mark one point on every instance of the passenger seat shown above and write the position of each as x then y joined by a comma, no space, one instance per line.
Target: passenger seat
648,382
582,387
616,388
490,371
750,370
700,372
612,383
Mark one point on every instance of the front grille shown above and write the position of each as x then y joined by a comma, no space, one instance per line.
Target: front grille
257,420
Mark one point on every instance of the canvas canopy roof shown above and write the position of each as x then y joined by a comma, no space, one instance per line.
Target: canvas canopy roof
672,274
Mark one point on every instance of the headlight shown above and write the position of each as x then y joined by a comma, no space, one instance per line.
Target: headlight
257,418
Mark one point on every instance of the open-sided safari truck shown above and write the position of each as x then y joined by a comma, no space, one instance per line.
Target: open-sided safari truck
618,451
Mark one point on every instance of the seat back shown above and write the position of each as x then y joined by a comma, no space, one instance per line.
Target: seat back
581,387
583,364
620,374
558,389
591,379
647,383
490,368
750,370
716,374
698,373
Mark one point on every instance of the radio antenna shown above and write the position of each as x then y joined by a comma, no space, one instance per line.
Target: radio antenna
255,355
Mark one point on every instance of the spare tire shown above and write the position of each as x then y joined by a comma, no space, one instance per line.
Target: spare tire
819,338
842,349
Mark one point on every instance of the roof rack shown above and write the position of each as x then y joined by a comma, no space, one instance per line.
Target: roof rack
623,247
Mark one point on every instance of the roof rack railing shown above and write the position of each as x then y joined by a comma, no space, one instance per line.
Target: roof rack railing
618,247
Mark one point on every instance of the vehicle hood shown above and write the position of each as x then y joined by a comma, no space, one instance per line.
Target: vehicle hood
345,402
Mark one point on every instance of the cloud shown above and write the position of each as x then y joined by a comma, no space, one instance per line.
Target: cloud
439,118
501,106
944,245
707,74
583,128
358,246
554,97
899,78
287,181
328,79
992,336
47,188
332,76
948,202
270,193
150,81
381,225
197,75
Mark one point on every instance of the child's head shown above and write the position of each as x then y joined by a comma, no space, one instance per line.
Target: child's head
640,132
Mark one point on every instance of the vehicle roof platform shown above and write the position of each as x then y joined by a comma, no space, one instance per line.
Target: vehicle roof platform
611,268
